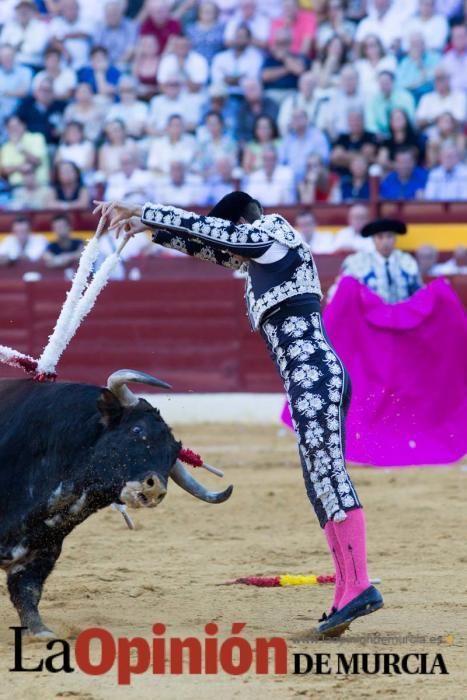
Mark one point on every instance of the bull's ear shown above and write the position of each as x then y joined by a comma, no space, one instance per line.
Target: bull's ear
110,408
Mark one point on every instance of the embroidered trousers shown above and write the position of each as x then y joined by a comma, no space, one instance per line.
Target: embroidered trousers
318,391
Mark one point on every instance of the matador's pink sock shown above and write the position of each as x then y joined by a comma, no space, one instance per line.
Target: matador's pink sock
351,537
335,549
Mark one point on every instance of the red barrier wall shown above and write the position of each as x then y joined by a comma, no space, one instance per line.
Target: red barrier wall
184,322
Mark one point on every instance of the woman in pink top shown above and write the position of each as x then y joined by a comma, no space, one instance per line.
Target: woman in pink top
301,23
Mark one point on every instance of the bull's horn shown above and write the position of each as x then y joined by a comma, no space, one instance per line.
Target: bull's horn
116,383
183,478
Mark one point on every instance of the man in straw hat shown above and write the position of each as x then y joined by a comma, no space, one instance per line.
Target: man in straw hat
283,299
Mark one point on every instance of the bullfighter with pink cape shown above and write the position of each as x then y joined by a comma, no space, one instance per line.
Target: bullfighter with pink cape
408,368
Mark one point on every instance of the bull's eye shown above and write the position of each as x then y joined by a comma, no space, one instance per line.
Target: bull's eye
137,430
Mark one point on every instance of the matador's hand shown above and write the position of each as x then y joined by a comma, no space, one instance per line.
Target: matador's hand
119,215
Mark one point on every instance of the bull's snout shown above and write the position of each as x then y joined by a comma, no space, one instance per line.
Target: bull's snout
143,494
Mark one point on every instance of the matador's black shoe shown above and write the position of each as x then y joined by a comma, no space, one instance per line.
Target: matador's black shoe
367,602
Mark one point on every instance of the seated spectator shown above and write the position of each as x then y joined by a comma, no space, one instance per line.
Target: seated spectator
407,181
319,243
349,238
71,33
181,188
117,34
176,145
301,141
159,23
356,185
213,144
22,244
415,72
373,61
273,184
221,181
309,98
207,33
115,144
335,24
455,60
301,24
355,140
63,79
442,99
27,33
218,101
329,63
457,265
21,151
41,112
384,101
173,101
385,23
137,246
265,134
88,109
448,182
446,131
65,250
253,105
100,74
426,257
68,190
401,135
145,64
75,148
433,26
30,194
133,113
318,184
130,181
180,58
346,99
248,15
241,61
15,81
282,68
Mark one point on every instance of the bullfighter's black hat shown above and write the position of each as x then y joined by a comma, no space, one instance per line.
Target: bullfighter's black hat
384,226
231,206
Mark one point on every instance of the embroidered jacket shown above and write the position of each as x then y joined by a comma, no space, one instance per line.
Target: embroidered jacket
395,278
227,244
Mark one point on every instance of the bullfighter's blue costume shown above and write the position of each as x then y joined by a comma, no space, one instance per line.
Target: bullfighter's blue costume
283,296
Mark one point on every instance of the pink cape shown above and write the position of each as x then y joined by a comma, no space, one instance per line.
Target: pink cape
408,366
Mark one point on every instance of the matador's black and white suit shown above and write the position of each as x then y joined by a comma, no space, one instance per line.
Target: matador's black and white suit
283,296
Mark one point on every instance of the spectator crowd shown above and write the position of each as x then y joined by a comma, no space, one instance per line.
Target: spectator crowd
181,101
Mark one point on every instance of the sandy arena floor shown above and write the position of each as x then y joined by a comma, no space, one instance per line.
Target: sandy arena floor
169,570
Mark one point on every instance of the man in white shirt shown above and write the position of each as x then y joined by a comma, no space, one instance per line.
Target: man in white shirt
455,60
272,184
242,61
179,58
258,23
385,23
129,110
349,238
72,33
27,33
15,81
433,27
130,182
441,100
173,101
457,265
309,98
181,188
22,244
448,182
346,99
175,145
319,242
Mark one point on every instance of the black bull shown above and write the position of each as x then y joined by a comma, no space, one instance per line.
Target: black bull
66,451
